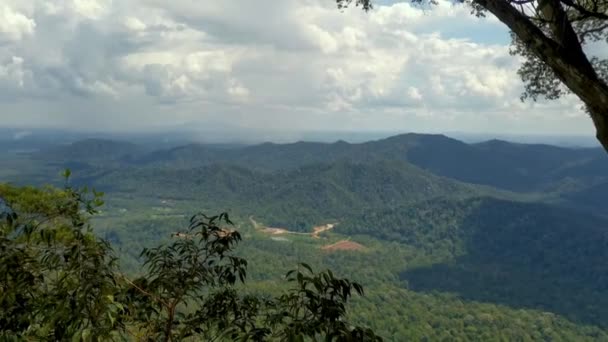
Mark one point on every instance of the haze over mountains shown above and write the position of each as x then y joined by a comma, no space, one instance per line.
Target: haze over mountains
168,136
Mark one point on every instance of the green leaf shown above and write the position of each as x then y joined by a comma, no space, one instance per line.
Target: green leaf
86,335
66,174
306,266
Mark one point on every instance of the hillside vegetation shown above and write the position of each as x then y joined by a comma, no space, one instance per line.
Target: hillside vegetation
453,241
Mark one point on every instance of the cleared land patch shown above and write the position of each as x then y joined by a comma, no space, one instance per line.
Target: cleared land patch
344,245
320,229
316,231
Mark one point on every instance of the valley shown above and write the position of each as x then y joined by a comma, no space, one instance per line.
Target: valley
452,241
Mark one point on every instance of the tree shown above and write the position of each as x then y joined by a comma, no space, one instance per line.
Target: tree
59,281
198,269
551,36
315,308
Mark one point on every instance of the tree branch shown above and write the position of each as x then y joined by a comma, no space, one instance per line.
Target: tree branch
571,66
587,13
521,2
158,299
587,32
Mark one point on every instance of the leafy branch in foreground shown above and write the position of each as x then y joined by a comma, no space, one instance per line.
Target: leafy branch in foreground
197,269
59,281
316,308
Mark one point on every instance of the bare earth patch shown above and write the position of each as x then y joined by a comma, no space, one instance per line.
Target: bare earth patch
316,231
274,231
279,231
344,245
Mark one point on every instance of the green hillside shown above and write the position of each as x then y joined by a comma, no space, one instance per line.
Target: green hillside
452,241
517,254
297,198
505,165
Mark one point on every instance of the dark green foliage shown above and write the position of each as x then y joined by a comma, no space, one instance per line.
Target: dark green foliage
315,307
591,197
59,282
518,254
196,269
57,279
296,199
440,262
497,163
510,166
519,162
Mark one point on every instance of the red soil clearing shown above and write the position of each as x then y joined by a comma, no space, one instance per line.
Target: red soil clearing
344,245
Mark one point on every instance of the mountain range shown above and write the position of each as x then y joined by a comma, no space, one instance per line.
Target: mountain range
517,225
570,175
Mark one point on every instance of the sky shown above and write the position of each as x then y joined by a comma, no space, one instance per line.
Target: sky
288,65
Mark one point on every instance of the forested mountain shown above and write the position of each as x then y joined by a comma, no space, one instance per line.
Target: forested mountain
510,166
519,254
493,229
307,181
295,198
333,179
563,173
590,197
89,150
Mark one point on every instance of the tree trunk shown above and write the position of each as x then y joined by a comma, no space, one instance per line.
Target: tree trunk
169,323
564,57
601,124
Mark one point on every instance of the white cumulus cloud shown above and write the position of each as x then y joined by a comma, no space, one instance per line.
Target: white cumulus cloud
289,64
14,25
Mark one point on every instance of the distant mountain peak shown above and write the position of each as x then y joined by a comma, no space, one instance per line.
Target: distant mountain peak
90,149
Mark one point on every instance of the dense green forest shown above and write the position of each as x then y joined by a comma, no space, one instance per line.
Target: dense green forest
58,281
451,241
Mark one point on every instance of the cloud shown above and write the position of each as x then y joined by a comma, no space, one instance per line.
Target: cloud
284,65
92,9
14,25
